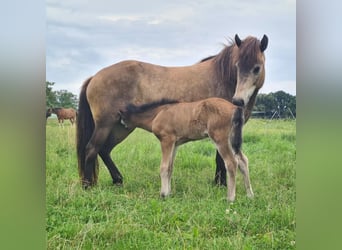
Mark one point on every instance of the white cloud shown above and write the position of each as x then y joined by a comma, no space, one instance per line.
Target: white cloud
84,37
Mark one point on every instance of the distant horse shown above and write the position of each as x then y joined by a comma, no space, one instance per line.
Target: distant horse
177,123
235,74
64,114
48,113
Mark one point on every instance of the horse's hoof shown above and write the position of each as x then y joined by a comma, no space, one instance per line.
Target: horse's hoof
86,185
118,182
220,183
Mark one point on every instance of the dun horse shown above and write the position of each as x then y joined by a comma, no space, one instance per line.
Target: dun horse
235,74
64,114
177,123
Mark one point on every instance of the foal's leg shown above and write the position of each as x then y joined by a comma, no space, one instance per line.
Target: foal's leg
243,166
229,161
168,153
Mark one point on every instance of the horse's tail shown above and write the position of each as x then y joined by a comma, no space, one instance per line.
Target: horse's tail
84,131
236,134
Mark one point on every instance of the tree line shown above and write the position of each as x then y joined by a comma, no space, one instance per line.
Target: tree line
273,105
60,98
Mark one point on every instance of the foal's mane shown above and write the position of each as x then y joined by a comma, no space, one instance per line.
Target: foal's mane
133,109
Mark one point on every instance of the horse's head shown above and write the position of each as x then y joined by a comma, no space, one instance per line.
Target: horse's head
48,112
250,65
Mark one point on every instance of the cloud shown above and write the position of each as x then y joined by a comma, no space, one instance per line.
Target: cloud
83,37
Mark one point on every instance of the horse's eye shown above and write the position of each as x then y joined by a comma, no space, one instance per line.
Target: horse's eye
256,70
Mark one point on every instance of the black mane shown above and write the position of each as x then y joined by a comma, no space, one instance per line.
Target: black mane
133,109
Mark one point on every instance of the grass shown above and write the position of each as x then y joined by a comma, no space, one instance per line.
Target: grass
196,216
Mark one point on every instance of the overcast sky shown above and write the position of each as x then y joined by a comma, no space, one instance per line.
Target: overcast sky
84,36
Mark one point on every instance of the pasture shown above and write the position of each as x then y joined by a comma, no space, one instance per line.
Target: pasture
195,216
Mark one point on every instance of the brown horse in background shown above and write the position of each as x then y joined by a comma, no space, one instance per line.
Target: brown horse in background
235,74
48,113
64,114
177,123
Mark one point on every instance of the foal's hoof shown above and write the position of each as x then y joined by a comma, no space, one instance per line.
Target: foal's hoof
163,196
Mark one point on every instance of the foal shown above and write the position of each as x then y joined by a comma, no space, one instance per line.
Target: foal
176,123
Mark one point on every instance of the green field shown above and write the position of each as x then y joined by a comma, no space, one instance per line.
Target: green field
195,216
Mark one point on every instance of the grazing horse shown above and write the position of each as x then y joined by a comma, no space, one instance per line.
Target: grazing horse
177,123
64,114
48,113
235,74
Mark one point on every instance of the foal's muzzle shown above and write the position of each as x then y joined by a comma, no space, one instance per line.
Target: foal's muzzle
238,102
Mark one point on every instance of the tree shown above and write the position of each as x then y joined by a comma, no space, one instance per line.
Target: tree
51,99
66,99
61,98
281,102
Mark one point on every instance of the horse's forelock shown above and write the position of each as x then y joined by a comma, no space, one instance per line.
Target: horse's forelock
249,52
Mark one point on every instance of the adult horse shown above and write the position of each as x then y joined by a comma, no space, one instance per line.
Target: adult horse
64,114
235,74
48,113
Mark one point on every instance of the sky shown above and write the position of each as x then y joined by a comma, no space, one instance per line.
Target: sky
85,36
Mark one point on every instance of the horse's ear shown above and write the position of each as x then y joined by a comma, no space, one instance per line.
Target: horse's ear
237,40
263,43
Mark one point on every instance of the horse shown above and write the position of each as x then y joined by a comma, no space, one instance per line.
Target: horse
175,123
64,114
234,74
48,113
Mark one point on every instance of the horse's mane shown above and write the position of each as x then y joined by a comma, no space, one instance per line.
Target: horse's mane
221,61
133,109
225,60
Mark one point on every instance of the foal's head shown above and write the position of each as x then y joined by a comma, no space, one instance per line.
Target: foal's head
250,66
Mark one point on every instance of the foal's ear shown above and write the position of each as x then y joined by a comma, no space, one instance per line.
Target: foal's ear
263,43
237,40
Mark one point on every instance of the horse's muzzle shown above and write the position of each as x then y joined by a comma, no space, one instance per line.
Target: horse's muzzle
238,102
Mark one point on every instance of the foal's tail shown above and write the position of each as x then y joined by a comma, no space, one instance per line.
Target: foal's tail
236,135
84,131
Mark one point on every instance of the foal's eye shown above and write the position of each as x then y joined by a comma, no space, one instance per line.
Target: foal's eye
256,70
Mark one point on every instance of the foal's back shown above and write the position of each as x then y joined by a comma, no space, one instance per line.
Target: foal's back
193,120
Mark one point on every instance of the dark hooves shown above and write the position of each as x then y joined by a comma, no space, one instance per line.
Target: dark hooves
118,183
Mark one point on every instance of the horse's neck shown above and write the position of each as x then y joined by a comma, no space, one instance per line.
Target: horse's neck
225,80
250,105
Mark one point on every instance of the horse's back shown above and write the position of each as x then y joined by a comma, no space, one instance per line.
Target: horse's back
67,113
141,82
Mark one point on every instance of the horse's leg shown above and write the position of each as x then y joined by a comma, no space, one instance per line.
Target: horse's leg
221,173
243,167
93,147
118,134
105,156
168,153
